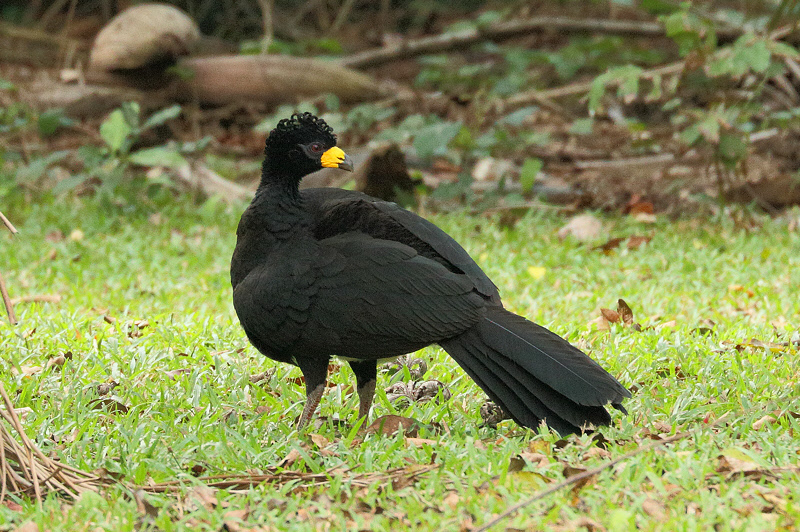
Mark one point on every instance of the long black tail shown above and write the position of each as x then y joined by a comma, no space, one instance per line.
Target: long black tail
534,374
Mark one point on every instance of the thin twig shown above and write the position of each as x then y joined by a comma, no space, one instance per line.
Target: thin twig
7,301
37,298
574,479
8,224
505,30
341,17
574,89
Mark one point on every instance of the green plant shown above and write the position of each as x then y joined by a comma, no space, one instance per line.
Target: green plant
717,100
108,163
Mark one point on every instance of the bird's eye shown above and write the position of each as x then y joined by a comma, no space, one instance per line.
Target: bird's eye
316,147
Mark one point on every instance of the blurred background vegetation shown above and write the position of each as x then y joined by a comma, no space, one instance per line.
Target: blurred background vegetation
633,106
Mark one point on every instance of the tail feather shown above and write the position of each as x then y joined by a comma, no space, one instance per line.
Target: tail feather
525,407
535,374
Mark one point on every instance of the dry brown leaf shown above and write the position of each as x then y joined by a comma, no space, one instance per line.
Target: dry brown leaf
515,464
290,459
609,246
654,508
57,361
419,442
611,316
452,500
233,519
112,406
535,459
390,424
766,420
625,312
581,523
143,506
175,373
319,440
734,462
595,451
636,241
204,496
600,323
640,207
11,505
28,526
583,227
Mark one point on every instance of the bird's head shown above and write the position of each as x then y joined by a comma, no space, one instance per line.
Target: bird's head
300,145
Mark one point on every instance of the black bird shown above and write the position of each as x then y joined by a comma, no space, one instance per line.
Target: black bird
328,272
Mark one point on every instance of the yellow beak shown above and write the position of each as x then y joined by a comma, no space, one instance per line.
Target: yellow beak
336,158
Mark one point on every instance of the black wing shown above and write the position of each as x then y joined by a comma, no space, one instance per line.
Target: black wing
335,211
353,296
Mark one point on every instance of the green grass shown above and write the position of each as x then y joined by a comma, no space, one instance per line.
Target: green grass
172,272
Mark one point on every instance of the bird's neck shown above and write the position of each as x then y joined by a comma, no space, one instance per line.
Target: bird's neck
278,206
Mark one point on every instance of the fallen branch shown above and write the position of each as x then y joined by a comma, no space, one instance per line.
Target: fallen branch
239,482
505,30
8,224
9,305
210,183
7,301
574,89
26,470
37,298
574,479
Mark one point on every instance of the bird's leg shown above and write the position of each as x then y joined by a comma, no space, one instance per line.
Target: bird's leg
366,375
315,371
313,396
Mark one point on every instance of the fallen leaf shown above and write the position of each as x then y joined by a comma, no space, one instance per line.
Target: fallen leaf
452,500
535,459
636,241
28,526
611,316
640,207
654,509
175,373
419,442
112,406
204,496
143,506
609,246
735,462
600,322
516,463
391,424
11,505
583,227
290,459
319,440
57,361
766,420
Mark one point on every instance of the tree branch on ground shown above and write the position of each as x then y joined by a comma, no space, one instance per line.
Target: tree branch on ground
3,290
506,30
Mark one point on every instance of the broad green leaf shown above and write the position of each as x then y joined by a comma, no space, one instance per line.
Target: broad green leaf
433,139
37,167
158,156
50,120
582,126
159,117
70,183
115,130
527,177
